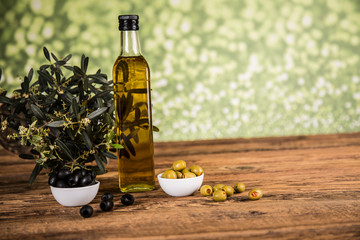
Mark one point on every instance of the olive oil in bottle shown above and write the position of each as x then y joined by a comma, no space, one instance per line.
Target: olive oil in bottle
131,76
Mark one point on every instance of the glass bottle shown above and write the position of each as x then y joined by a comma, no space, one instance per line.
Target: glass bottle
131,76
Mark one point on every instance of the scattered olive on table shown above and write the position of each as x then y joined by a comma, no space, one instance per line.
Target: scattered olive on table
127,199
218,186
106,205
239,187
219,195
107,197
206,190
86,211
221,192
255,194
228,190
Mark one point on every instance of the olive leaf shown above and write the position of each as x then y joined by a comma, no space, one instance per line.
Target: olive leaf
78,71
87,140
30,74
116,146
5,100
37,112
125,153
46,53
74,107
108,119
138,90
69,68
64,149
125,70
97,113
134,134
109,155
155,128
54,57
84,63
99,162
86,84
59,123
137,114
67,58
98,79
70,133
37,169
128,144
128,106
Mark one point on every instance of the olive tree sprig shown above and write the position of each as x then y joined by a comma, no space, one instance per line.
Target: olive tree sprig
66,119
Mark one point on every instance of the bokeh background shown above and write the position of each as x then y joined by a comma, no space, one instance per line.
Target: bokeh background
219,68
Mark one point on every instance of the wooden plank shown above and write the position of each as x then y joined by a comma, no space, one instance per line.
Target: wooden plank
311,191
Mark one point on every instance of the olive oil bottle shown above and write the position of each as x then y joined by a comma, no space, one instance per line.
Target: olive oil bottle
131,76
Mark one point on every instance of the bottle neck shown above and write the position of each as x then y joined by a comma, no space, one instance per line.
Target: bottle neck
129,43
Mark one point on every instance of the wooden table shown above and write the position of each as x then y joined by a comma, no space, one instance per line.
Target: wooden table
311,188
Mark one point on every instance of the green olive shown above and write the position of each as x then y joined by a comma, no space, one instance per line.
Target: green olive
179,165
228,190
219,195
185,170
218,186
189,175
206,190
165,173
255,194
179,174
197,170
171,174
239,187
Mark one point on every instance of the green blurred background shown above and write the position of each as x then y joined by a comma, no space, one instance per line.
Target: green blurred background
219,68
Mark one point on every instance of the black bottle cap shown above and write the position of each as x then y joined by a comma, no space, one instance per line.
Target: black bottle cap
128,22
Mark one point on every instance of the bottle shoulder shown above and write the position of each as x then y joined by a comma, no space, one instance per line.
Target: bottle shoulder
138,60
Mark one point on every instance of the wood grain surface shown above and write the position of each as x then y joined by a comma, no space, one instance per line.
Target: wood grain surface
311,188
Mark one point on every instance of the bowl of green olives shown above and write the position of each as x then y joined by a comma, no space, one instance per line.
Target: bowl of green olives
77,196
180,181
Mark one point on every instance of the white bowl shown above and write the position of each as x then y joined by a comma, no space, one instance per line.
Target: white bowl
72,197
180,187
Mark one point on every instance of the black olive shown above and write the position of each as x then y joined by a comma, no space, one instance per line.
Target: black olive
61,184
52,180
86,211
85,181
73,179
82,172
127,199
93,174
106,205
107,197
63,173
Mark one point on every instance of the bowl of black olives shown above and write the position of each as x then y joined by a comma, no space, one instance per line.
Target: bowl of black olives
75,188
180,181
